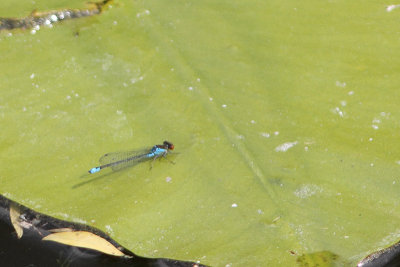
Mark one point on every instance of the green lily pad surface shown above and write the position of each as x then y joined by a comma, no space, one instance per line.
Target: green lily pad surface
284,115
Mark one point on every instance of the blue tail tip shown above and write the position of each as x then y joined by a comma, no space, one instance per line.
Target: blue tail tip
94,170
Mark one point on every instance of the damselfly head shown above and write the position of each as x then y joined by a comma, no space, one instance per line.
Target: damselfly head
168,145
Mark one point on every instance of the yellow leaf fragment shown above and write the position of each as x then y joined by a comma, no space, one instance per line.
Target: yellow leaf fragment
14,215
84,240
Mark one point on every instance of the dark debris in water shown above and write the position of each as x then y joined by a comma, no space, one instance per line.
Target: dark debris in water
47,18
388,257
23,242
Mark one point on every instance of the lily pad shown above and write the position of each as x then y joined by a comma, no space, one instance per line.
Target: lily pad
284,117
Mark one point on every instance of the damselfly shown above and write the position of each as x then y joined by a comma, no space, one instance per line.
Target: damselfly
121,160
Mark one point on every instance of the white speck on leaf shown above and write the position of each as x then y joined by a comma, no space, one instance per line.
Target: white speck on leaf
340,84
266,135
306,191
286,146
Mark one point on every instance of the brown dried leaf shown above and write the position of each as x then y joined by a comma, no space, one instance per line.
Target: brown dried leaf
61,230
